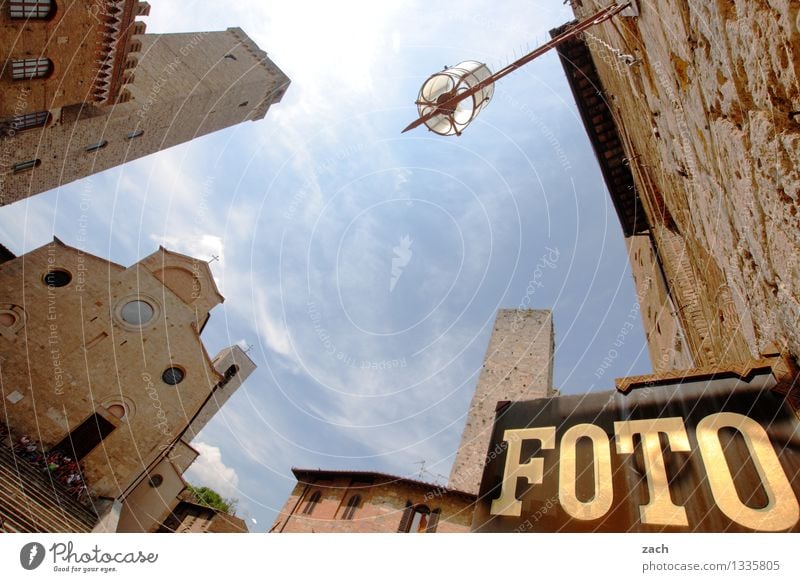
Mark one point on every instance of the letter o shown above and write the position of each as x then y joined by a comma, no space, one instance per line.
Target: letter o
782,510
567,477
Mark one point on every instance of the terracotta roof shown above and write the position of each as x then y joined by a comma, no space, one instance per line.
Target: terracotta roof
321,473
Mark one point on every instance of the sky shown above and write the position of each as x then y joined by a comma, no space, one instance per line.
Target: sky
365,267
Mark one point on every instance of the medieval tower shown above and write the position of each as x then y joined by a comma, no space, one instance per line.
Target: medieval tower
183,86
518,366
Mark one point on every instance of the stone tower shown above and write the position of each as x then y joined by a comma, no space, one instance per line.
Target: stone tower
518,366
185,85
234,365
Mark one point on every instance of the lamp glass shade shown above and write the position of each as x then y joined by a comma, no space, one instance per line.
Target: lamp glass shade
443,86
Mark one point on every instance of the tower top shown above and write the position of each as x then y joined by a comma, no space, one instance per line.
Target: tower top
518,365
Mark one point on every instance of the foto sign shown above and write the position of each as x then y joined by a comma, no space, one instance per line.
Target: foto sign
708,456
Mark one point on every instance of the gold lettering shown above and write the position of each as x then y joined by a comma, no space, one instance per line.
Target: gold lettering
782,511
599,505
532,471
660,510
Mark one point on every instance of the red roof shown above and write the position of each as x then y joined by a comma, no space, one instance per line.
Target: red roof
300,473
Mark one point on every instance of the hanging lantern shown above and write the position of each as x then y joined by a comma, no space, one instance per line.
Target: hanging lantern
438,92
450,100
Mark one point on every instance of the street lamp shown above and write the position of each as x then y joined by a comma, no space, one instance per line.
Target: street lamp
449,100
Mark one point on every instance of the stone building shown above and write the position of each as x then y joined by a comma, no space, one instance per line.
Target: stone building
692,107
518,365
189,516
184,86
106,365
371,502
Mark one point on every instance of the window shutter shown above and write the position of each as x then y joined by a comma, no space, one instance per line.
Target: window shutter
434,521
405,521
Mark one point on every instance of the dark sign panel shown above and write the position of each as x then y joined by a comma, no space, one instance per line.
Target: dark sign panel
706,456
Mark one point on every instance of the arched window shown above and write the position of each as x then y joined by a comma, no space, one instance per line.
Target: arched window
352,505
312,503
24,69
30,8
231,372
12,320
419,519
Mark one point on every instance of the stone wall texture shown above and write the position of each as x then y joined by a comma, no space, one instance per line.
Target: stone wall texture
704,94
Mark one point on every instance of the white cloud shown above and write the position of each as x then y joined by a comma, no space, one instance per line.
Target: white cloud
209,470
271,328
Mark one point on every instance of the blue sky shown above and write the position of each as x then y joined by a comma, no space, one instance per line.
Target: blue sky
306,208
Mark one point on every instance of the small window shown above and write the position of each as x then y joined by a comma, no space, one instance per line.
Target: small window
30,8
26,69
12,320
231,372
352,505
23,166
312,503
418,519
97,146
155,481
57,278
172,376
117,410
243,104
137,312
29,120
230,57
135,134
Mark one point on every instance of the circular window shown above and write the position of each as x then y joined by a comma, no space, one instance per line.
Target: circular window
7,319
57,278
155,481
137,312
172,376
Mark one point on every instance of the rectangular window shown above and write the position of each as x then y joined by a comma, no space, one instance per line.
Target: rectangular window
22,166
22,69
97,146
85,437
29,120
30,8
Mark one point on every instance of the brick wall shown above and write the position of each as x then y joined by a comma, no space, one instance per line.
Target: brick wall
184,88
380,511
